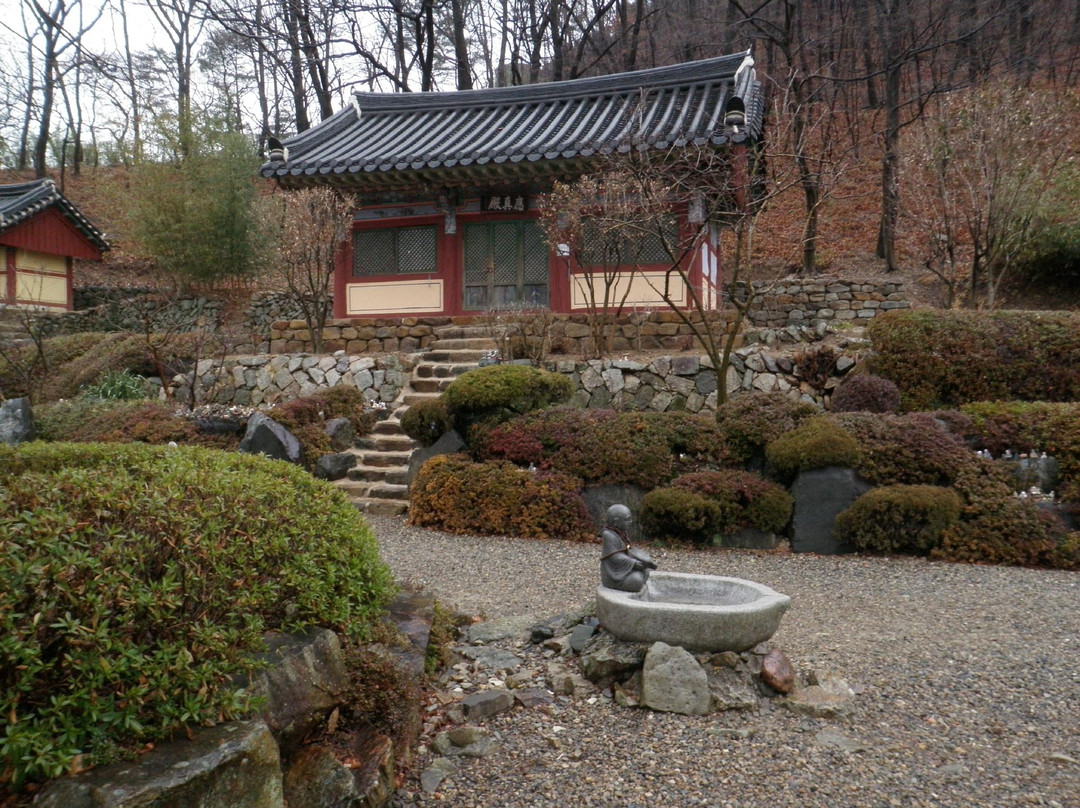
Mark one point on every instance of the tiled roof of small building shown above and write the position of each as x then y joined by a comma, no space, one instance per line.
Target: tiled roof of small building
396,140
22,200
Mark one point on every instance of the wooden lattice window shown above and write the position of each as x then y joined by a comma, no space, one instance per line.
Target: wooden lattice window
395,250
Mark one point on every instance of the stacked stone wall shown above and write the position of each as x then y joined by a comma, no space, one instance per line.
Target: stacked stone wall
796,301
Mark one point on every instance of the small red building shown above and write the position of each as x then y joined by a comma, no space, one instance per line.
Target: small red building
449,182
41,233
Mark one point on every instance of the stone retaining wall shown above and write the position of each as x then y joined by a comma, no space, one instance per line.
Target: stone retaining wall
103,308
267,380
796,301
662,383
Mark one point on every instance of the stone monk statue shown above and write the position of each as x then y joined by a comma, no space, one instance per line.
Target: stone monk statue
622,567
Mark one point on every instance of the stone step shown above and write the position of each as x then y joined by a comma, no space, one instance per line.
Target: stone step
411,398
395,475
464,343
459,356
431,385
383,459
437,370
461,332
396,441
391,426
381,507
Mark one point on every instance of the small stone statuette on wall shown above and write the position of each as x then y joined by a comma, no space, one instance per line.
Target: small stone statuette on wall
622,567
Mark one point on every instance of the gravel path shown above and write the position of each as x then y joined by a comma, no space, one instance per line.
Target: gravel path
970,678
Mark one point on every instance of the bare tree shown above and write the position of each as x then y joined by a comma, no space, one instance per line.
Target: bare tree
312,225
983,171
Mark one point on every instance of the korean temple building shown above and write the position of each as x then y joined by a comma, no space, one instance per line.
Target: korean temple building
448,182
41,233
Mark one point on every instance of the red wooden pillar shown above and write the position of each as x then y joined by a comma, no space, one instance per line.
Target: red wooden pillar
9,275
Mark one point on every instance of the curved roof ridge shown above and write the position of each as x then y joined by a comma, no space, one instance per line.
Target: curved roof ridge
544,92
21,200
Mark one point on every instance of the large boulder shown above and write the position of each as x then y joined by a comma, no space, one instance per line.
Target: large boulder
266,436
820,496
232,766
16,421
304,681
672,681
315,778
341,432
450,443
334,466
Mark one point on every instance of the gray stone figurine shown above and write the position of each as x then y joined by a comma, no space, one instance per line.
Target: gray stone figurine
622,567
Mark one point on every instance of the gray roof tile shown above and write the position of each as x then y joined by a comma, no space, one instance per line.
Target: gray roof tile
22,200
396,140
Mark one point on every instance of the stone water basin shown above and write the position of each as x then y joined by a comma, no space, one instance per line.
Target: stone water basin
698,612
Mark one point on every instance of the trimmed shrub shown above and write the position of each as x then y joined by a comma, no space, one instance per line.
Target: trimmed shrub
502,391
304,418
1010,531
597,446
816,443
1024,427
748,423
695,437
343,401
426,421
745,499
899,519
676,514
455,494
905,449
136,582
966,356
865,392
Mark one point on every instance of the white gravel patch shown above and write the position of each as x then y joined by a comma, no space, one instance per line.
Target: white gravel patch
970,680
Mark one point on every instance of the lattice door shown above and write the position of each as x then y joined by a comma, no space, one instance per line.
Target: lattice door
506,264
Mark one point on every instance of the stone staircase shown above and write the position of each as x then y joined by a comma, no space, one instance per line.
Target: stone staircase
378,484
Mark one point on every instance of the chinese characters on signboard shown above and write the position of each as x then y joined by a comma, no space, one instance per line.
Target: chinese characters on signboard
505,203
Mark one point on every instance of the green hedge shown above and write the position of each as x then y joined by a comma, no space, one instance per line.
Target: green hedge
136,582
948,358
899,519
499,392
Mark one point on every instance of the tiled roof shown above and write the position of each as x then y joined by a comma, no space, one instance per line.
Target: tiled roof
22,200
396,140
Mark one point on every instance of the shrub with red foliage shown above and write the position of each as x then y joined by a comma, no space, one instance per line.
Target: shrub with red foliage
455,494
596,446
865,392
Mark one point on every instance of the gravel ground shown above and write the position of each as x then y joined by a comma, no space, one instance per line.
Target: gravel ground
970,680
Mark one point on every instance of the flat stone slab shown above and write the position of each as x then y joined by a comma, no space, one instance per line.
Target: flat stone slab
696,612
232,766
820,496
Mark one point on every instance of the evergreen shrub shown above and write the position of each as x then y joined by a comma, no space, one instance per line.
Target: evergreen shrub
676,514
499,392
899,519
426,421
865,392
748,423
949,358
89,420
455,494
136,582
814,444
1053,428
1011,531
745,499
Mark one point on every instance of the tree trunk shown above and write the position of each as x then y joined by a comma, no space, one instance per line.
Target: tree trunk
461,48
